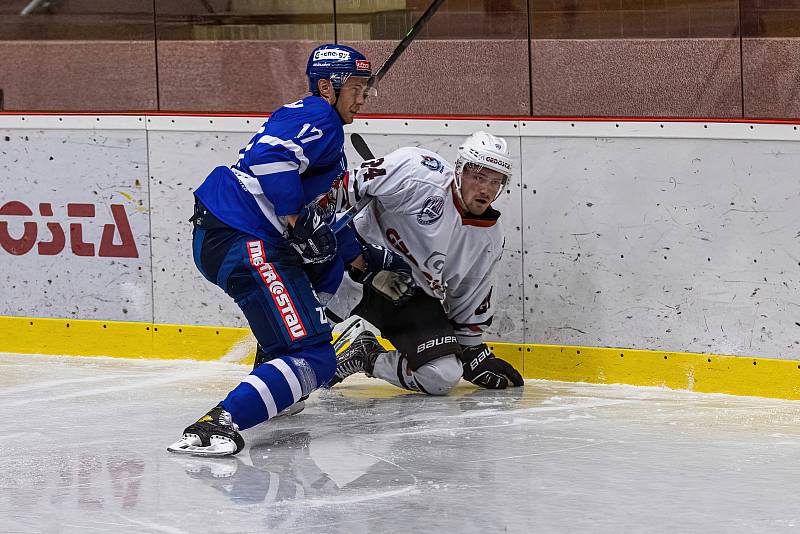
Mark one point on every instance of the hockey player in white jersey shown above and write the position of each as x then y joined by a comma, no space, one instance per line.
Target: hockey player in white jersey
442,221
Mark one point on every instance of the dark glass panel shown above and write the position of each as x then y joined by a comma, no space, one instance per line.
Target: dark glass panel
634,19
123,20
245,20
772,18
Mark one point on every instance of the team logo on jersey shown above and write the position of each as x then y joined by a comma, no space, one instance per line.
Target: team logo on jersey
432,163
431,211
484,306
335,199
435,262
362,64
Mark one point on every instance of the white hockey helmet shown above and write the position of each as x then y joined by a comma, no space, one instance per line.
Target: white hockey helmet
484,150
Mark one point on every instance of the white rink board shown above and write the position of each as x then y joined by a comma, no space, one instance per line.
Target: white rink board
179,162
717,199
663,244
90,169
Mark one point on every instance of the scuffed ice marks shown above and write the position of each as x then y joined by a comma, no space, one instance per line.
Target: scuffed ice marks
65,480
86,437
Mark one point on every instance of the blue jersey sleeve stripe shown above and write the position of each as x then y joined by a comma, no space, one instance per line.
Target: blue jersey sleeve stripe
285,199
289,145
253,186
250,183
272,168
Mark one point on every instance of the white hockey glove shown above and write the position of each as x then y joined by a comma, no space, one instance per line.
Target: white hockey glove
386,272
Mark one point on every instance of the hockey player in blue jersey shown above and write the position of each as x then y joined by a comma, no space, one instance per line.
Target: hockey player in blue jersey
261,234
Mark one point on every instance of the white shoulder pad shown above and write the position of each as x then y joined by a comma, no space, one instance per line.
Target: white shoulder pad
400,174
423,165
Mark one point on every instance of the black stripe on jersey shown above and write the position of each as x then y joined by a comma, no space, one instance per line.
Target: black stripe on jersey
400,373
356,192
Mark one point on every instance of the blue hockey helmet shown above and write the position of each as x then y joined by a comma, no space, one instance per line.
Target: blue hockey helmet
336,63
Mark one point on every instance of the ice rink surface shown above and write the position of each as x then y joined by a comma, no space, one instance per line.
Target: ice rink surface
83,450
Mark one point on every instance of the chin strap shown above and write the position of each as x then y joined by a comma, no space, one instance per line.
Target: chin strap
461,203
456,184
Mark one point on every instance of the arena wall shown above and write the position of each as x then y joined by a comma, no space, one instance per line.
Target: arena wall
668,239
712,77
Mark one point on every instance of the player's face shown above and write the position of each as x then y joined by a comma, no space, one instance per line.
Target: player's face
479,187
351,98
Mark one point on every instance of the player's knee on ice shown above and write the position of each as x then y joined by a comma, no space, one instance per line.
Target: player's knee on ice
439,376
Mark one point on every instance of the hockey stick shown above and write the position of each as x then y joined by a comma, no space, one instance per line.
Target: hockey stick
361,147
358,142
366,154
345,218
401,47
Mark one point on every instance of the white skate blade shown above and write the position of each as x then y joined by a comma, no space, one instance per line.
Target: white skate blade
294,409
191,444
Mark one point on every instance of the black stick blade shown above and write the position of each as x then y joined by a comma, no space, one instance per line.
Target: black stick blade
361,147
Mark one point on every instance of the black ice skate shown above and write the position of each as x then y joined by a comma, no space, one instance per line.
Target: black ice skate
358,356
214,434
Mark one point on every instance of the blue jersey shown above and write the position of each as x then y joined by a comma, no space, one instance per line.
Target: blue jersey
293,158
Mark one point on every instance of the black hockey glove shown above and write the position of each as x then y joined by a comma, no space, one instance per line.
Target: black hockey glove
311,237
386,272
483,369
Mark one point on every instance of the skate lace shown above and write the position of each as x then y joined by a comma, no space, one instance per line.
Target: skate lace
225,419
353,364
359,350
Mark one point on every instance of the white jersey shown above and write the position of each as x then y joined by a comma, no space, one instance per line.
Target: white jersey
415,213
